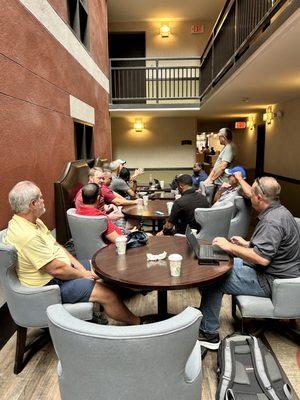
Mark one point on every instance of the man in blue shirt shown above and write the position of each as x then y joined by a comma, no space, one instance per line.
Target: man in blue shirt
198,175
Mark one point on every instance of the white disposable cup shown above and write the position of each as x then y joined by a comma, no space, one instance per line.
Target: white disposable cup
162,184
146,200
194,231
175,264
121,245
169,206
177,196
140,203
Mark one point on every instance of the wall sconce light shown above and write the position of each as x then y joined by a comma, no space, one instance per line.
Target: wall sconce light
268,115
250,123
138,125
164,31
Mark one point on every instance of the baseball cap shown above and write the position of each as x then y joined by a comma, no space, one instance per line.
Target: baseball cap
231,171
115,164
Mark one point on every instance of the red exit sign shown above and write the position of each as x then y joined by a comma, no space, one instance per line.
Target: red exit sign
240,125
197,28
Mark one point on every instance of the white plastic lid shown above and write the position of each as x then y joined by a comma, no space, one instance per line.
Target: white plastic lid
121,238
175,257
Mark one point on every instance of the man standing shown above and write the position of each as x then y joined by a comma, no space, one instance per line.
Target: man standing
273,252
183,210
42,261
217,176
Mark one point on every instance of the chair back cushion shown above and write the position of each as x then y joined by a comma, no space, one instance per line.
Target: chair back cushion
86,232
239,224
214,221
75,175
128,362
286,298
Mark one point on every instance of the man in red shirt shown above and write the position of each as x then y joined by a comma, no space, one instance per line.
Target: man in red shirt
96,175
89,207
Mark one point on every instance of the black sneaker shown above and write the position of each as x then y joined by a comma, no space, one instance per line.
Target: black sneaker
209,340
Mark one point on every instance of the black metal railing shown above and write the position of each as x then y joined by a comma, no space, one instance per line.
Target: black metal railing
240,22
137,80
163,80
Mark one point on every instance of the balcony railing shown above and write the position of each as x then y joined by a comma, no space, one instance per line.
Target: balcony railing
236,29
154,80
188,80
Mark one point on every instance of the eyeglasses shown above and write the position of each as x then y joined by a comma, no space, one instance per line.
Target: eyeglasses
260,186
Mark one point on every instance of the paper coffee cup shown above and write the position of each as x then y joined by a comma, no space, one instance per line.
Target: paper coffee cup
175,264
146,200
140,203
169,206
162,184
121,245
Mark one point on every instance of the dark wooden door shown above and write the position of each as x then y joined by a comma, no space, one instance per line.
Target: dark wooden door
260,150
128,84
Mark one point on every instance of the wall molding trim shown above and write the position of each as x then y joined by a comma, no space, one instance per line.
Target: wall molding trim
82,111
48,17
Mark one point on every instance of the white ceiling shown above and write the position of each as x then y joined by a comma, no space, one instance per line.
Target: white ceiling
149,10
271,75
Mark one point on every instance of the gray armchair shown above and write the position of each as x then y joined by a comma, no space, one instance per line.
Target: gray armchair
28,306
214,221
283,304
239,224
155,361
86,233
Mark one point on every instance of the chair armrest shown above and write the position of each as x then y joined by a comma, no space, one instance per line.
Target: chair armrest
28,305
193,365
286,297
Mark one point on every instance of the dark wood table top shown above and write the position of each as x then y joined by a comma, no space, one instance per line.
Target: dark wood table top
162,196
148,212
150,189
134,271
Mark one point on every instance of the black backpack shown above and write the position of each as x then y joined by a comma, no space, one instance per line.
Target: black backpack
247,370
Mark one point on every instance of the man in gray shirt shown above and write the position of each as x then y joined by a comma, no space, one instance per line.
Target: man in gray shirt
217,175
273,252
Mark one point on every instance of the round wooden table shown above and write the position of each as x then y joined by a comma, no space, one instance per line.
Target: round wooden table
148,213
132,270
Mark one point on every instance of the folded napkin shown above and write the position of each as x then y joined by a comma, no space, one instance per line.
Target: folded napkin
156,257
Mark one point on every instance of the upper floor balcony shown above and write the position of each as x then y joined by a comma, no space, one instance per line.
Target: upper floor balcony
186,83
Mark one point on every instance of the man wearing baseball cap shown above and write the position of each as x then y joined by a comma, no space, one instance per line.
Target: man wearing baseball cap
228,191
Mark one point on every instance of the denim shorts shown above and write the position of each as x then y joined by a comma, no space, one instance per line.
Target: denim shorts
75,290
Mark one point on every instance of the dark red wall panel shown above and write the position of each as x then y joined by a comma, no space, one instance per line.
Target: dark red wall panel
37,77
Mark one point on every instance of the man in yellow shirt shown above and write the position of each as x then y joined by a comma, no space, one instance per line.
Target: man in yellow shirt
42,261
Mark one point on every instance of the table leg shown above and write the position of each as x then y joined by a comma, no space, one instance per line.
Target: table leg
162,305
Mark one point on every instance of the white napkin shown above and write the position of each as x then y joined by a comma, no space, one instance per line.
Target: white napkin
155,257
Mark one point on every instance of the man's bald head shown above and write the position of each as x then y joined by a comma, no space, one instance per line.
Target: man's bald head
90,193
267,188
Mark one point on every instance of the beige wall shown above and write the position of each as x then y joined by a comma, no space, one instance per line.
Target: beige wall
180,43
283,141
158,146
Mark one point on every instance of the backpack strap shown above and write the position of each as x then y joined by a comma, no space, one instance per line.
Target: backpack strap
227,374
259,369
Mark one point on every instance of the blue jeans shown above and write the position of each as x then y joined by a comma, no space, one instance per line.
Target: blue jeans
242,279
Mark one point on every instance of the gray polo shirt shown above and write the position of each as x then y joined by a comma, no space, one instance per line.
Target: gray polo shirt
276,238
227,154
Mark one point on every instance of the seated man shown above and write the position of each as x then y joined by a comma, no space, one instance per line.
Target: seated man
183,210
90,195
96,175
125,185
42,261
272,252
228,191
199,175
